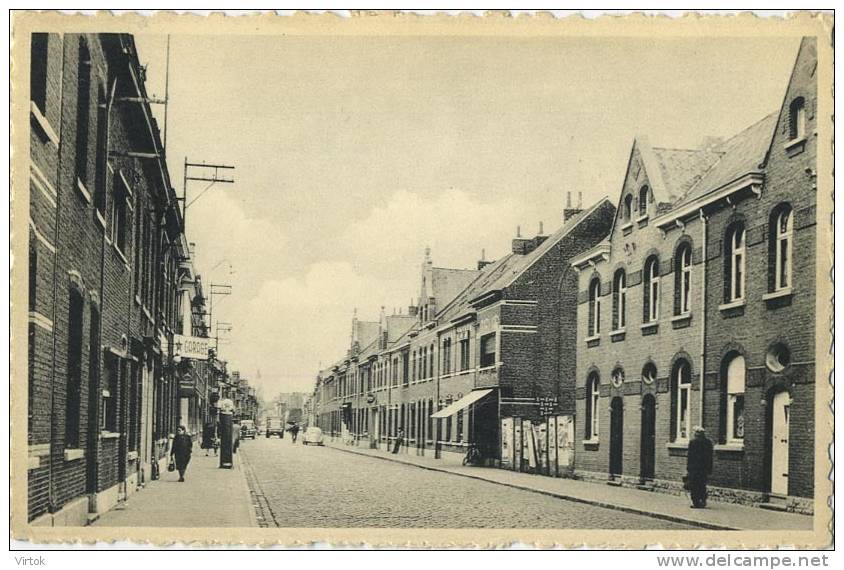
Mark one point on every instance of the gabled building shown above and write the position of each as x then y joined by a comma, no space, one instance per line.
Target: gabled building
696,310
479,345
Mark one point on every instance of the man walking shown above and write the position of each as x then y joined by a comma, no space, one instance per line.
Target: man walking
699,467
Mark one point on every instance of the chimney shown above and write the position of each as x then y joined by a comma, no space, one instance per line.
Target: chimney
521,246
570,212
540,237
483,262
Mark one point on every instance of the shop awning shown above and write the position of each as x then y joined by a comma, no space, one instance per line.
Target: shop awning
462,403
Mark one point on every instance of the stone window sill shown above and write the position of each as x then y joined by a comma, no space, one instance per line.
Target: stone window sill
43,124
627,228
109,435
591,444
120,254
84,191
73,454
681,321
592,338
680,444
649,327
785,292
642,221
738,303
795,146
730,447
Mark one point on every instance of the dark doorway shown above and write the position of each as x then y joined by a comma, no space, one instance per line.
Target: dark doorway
648,446
616,436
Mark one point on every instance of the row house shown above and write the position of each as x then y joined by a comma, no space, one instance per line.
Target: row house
195,377
105,241
697,310
480,345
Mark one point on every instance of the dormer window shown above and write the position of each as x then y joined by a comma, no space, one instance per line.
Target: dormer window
797,119
643,201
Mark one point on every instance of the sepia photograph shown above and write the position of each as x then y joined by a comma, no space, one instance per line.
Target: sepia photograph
407,280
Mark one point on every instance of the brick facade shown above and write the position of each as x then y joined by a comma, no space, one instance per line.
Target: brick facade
739,307
86,192
521,308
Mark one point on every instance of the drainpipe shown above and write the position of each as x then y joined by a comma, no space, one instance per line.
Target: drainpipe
703,220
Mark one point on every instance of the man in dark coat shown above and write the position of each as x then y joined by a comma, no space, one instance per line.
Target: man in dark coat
399,441
699,466
182,447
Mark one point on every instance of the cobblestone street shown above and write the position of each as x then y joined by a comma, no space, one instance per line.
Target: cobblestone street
300,486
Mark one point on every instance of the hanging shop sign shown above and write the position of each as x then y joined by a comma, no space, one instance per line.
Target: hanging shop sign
191,347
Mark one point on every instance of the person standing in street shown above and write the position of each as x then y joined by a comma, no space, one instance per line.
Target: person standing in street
208,436
182,447
699,466
294,432
399,440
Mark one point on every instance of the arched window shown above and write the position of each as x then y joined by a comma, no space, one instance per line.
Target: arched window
781,245
619,300
592,399
797,119
734,396
651,290
681,393
683,279
643,201
649,373
734,260
628,207
595,307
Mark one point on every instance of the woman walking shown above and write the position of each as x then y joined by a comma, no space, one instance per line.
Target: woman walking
182,446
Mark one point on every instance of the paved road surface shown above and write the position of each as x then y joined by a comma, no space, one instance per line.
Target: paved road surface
310,486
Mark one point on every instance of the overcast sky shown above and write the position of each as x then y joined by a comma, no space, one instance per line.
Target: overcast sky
353,154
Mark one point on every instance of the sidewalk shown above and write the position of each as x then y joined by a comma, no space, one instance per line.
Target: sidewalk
718,516
209,497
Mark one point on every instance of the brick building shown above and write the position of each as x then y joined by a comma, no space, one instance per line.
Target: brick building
105,237
695,310
480,344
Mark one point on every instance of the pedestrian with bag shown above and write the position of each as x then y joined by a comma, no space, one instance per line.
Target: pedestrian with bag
399,441
180,452
698,467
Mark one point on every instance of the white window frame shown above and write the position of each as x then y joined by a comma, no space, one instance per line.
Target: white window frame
643,211
784,244
683,389
736,381
685,280
738,260
620,299
593,402
653,290
595,303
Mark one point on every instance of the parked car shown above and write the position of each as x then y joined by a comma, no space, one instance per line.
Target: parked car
313,435
247,429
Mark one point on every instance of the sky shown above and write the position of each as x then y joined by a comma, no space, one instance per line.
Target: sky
354,154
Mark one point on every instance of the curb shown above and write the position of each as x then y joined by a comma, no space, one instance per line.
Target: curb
565,497
242,467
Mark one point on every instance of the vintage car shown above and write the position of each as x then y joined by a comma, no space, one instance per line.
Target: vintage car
247,429
313,435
